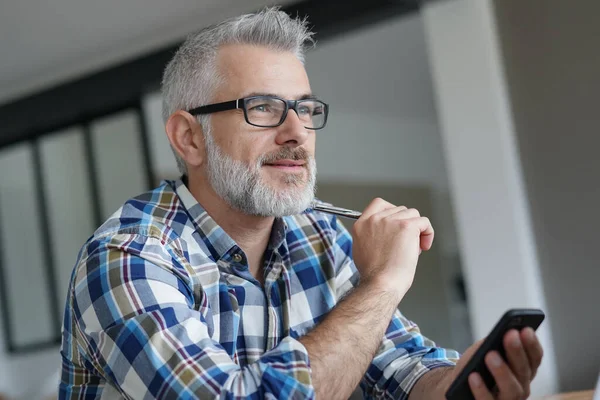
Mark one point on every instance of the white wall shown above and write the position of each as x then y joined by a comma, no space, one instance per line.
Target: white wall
496,238
551,52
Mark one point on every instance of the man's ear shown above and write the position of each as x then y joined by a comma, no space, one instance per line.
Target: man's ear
186,136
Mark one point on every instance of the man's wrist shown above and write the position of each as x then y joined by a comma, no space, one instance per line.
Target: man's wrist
447,377
433,384
384,286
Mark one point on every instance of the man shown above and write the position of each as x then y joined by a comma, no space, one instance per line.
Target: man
226,284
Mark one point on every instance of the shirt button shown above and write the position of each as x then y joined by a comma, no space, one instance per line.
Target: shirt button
237,258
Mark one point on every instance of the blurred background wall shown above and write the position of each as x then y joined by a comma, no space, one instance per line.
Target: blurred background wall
480,112
552,59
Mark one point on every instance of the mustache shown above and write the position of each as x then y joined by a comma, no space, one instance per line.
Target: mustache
286,153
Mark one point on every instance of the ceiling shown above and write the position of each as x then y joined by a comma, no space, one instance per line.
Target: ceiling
383,69
44,43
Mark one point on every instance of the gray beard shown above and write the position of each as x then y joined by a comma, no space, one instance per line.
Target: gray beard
242,187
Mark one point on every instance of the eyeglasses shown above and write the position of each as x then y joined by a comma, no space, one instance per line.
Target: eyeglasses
271,111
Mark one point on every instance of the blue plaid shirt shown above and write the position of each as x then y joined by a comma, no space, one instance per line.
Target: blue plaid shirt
162,305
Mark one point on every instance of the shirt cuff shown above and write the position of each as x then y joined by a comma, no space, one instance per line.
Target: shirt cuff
423,367
290,355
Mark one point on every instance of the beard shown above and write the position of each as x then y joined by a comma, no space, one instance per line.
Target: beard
244,189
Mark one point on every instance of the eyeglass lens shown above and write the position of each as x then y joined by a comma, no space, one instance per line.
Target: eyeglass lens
268,112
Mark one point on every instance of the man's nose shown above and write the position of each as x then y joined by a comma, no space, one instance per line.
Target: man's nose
292,131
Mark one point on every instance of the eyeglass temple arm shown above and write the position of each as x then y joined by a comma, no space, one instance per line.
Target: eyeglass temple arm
212,108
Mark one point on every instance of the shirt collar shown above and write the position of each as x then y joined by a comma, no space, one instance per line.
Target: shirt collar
277,241
219,243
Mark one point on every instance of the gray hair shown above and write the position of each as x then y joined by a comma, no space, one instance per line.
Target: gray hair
191,77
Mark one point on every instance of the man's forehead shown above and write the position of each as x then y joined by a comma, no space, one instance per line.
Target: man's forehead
254,71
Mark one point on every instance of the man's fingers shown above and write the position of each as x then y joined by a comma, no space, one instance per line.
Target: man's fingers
517,358
421,223
390,211
380,209
478,388
533,349
375,206
508,385
427,240
427,232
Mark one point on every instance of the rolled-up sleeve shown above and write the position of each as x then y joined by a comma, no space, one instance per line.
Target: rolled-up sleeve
143,327
405,355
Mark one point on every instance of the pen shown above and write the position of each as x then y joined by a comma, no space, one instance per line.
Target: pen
342,212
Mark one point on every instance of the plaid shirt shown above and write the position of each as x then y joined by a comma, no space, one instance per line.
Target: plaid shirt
162,305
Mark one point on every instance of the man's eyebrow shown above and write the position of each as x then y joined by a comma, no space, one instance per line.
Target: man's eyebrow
304,96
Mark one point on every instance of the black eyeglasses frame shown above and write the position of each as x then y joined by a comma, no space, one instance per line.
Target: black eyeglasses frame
241,103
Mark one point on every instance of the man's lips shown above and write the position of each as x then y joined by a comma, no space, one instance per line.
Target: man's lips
287,163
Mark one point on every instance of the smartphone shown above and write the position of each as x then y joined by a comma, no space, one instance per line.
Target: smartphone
518,319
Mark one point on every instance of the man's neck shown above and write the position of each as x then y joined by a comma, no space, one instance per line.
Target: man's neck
250,232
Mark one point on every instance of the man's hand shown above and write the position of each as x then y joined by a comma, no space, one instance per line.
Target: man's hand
513,378
386,248
387,243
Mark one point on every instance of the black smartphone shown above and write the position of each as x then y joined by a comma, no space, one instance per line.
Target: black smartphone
517,318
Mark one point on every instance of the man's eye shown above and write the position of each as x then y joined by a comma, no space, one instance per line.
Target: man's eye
261,108
305,110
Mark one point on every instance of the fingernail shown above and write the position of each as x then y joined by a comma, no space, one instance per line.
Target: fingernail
495,360
475,380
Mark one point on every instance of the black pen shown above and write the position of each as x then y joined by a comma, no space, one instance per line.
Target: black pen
342,212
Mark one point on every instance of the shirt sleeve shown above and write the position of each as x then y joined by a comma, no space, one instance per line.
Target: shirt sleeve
142,326
405,354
